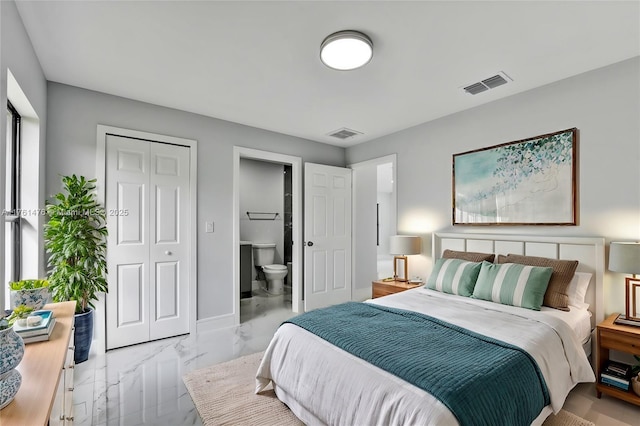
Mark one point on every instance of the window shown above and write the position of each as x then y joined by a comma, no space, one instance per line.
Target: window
12,197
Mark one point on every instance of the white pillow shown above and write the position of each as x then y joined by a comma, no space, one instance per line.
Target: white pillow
578,290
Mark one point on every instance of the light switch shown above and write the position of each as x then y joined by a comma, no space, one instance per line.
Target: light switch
208,227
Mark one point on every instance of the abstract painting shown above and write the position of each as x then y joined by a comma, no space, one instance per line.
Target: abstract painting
526,182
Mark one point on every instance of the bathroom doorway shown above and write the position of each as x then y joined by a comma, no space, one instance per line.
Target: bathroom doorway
267,246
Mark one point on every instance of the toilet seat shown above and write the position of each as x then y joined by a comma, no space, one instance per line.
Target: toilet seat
274,268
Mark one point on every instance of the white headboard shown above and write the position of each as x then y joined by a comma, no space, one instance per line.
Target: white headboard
589,251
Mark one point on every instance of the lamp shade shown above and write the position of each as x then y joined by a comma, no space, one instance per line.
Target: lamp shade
624,257
405,244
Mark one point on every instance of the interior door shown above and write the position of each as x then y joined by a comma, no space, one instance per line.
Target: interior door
147,201
327,235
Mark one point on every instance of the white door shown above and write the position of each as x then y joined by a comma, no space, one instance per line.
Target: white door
147,202
327,235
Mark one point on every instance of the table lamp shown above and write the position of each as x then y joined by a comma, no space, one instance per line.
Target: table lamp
625,257
401,246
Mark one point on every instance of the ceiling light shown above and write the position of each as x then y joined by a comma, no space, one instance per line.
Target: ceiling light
346,50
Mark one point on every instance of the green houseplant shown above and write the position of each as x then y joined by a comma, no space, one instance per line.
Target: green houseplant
75,238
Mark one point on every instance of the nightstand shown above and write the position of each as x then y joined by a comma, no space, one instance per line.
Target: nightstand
384,288
623,338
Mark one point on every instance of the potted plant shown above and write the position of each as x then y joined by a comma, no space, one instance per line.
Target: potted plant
19,315
75,238
34,293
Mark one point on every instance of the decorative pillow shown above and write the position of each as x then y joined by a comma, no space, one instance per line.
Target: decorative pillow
563,270
578,289
454,276
469,256
512,284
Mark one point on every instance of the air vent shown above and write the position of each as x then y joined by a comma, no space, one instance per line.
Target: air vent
344,133
488,83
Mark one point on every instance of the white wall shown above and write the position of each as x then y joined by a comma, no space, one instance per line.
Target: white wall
73,116
603,104
262,190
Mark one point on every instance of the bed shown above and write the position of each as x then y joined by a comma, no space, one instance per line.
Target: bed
372,373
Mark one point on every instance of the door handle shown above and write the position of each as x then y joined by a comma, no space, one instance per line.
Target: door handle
310,243
168,253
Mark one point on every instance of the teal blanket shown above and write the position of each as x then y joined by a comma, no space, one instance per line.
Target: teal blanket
483,381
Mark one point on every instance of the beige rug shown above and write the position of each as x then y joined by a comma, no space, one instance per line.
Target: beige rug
224,395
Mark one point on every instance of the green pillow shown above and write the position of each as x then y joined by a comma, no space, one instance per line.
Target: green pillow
513,284
454,276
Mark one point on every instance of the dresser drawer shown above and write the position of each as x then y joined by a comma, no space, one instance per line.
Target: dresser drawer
620,341
384,290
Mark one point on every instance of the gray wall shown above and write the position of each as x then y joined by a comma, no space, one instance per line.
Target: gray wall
603,104
74,114
17,55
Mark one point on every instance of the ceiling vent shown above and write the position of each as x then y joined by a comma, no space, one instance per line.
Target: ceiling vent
344,133
488,83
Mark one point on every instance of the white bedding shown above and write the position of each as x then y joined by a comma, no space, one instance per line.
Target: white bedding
323,384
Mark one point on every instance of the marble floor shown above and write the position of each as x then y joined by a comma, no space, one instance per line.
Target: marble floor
142,384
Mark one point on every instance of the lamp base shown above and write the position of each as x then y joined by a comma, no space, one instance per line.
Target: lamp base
623,320
404,278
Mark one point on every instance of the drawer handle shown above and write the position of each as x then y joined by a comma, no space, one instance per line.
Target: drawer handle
69,418
70,389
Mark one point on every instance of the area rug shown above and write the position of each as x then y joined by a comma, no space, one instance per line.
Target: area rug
224,395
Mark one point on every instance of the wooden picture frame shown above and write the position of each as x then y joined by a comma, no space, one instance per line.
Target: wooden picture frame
526,182
632,286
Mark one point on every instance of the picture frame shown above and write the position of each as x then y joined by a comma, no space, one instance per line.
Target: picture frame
526,182
632,290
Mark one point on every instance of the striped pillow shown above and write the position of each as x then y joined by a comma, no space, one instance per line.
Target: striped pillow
512,284
454,276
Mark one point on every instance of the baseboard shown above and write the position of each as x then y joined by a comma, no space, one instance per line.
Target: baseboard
215,323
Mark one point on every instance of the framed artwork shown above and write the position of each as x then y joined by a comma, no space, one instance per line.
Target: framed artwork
526,182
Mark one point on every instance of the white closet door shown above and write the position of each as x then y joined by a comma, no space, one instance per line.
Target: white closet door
147,201
169,248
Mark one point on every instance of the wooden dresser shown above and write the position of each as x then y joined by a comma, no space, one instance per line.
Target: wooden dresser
46,394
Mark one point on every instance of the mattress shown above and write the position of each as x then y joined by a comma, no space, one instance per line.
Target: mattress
324,385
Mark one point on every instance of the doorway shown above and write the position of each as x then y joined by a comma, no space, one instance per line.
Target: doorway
264,217
374,213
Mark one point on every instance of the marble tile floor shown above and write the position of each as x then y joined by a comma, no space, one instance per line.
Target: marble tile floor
142,384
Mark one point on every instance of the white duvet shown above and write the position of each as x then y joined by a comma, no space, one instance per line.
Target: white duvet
323,384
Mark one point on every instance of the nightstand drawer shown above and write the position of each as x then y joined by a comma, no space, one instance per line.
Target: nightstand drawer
620,341
379,290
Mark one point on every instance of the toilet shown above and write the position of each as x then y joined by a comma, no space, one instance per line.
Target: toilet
263,255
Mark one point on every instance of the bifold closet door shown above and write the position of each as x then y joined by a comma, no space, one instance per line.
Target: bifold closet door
147,202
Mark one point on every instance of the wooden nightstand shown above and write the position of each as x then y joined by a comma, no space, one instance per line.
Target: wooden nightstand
623,338
384,288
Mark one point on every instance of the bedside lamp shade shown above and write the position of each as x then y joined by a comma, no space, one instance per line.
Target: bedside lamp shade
625,257
401,246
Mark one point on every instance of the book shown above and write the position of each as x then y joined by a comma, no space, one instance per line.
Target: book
614,383
25,330
38,335
618,369
614,378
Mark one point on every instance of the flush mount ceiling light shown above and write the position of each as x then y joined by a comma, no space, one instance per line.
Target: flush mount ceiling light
346,50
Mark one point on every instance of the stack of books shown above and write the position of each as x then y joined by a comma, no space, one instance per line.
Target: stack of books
616,374
37,333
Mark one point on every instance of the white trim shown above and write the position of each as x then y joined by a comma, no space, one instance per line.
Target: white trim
215,323
101,145
296,260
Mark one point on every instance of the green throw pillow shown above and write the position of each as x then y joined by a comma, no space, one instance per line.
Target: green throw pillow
513,284
454,276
